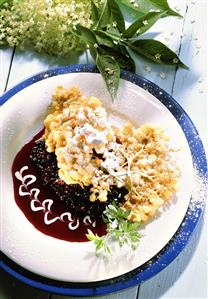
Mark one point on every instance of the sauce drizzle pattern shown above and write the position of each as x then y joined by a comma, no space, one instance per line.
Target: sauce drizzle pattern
45,206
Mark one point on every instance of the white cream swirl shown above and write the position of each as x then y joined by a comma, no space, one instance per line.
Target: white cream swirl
36,205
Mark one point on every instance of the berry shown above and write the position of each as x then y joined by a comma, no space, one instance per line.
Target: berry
74,197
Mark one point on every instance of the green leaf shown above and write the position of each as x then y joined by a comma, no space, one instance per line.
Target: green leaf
94,14
129,63
85,34
3,2
113,31
119,229
116,15
107,248
122,213
133,226
121,55
156,51
99,244
130,13
125,226
104,16
112,211
111,15
93,52
145,6
142,24
110,71
104,39
90,235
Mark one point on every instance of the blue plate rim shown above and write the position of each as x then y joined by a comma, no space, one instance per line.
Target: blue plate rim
174,246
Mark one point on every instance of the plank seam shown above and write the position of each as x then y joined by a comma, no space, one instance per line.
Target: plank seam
179,50
137,294
10,67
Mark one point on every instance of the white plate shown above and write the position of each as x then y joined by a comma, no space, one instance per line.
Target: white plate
71,261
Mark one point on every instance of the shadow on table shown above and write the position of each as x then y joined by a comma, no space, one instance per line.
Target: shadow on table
49,60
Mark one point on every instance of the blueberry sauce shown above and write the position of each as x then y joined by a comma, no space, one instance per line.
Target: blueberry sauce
58,229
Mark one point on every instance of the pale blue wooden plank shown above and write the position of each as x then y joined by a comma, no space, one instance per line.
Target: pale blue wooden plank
191,86
28,63
187,277
126,294
181,279
11,288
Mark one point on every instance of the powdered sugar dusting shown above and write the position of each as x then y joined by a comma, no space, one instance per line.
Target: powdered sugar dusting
199,194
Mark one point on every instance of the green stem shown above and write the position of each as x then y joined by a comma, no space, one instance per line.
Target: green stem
113,36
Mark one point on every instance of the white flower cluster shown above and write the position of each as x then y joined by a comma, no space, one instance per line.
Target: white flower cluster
44,24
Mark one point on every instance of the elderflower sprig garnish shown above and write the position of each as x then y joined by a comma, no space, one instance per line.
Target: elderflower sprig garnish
109,41
119,229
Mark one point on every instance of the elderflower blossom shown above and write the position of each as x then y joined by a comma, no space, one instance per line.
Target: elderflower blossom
45,24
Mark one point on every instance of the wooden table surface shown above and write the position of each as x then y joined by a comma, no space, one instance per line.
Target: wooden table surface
186,276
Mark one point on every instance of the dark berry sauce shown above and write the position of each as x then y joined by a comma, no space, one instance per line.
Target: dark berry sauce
58,229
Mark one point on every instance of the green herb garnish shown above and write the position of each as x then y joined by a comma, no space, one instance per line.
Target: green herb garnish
119,229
